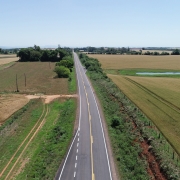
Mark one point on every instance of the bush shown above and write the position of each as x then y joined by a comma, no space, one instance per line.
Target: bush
62,71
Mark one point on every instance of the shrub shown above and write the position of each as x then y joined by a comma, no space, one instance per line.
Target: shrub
62,71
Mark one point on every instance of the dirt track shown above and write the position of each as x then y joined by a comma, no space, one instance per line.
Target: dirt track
26,143
49,98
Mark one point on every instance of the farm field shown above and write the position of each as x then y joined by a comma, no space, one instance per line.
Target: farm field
158,98
40,78
5,59
10,103
138,61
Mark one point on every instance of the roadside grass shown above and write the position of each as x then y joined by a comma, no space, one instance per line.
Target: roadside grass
40,78
72,85
138,61
16,128
50,146
158,98
42,157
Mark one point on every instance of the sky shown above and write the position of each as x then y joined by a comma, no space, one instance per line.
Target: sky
97,23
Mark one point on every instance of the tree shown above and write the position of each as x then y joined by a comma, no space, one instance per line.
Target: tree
24,54
66,63
62,71
62,53
176,52
115,121
37,48
156,53
35,56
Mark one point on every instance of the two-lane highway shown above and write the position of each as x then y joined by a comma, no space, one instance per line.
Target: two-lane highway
87,158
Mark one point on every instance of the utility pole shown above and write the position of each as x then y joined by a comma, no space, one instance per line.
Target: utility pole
25,79
17,90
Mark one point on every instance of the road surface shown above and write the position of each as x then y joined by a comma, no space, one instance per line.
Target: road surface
87,158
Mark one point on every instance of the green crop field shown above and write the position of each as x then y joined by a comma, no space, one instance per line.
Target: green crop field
40,78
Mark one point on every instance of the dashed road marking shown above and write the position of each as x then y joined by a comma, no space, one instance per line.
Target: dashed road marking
77,144
74,174
75,165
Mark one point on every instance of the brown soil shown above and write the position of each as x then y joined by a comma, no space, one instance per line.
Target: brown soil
153,165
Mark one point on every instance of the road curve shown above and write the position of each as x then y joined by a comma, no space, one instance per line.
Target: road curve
87,158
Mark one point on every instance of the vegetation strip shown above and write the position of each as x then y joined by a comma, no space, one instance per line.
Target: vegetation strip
43,116
25,141
127,140
53,140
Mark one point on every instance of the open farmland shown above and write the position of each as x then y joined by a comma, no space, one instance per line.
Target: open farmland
138,61
40,78
158,98
5,59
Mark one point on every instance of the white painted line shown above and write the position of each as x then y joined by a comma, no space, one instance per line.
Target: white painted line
78,139
75,165
78,126
74,174
77,150
77,144
76,158
101,125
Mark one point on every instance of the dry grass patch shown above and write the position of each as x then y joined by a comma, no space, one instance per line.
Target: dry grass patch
40,78
138,61
158,98
8,60
10,103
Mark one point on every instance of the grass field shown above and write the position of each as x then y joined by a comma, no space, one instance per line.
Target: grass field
138,61
40,78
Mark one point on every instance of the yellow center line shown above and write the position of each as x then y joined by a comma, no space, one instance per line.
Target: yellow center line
91,137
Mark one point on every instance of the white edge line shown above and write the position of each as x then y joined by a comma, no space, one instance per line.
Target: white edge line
77,130
101,128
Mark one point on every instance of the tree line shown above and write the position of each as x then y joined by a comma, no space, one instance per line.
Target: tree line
37,54
123,50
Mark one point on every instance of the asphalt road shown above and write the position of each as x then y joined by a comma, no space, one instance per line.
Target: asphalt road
87,158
